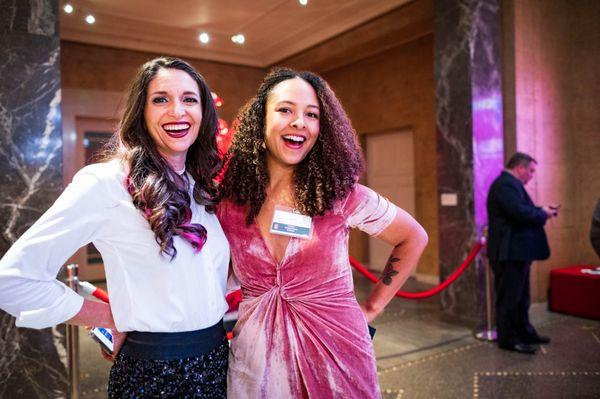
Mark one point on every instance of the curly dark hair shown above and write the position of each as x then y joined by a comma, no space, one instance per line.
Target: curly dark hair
325,175
156,189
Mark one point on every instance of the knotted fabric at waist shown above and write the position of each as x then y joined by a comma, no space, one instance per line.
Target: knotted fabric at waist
320,295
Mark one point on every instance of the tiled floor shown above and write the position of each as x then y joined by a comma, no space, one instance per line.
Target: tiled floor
420,356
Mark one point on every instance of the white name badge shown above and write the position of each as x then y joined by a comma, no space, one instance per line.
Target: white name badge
286,222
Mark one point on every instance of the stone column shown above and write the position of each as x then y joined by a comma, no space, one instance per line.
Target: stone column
469,138
32,363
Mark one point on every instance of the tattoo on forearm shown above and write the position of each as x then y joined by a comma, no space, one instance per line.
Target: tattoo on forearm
388,271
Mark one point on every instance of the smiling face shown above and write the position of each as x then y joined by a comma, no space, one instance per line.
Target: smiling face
173,114
292,122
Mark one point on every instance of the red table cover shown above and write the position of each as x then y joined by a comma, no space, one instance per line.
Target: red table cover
574,292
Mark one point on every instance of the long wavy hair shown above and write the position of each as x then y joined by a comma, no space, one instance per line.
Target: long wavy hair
157,190
325,175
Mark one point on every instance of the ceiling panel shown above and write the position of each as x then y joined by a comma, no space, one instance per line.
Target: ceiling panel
274,29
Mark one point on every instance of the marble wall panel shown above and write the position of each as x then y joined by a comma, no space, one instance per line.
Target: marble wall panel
32,363
470,140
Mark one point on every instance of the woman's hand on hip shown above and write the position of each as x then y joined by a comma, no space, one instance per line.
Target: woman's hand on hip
118,341
369,312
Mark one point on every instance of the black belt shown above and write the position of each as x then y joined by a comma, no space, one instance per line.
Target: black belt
169,346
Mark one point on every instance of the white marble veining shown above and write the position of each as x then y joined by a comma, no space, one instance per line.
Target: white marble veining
41,18
32,362
468,88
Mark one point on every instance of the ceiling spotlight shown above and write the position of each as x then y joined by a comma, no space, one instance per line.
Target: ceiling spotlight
303,2
68,8
90,19
204,38
239,38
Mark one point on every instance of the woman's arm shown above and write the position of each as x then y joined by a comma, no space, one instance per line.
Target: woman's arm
29,289
93,313
98,314
409,240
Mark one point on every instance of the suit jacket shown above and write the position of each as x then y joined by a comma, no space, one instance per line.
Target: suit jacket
595,229
516,225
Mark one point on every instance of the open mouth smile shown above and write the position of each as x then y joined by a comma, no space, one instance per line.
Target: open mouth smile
177,130
294,141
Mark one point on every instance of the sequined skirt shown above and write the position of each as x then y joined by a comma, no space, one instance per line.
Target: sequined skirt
202,376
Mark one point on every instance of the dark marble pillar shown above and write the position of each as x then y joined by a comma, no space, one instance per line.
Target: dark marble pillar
32,363
469,138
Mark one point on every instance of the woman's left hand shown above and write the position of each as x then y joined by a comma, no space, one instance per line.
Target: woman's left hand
118,341
409,240
370,313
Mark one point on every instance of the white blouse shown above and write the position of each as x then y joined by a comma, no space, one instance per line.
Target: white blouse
148,291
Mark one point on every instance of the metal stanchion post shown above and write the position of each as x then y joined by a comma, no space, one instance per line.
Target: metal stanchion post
488,333
73,340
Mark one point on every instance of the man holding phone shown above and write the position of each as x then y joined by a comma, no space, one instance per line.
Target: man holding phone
516,238
595,229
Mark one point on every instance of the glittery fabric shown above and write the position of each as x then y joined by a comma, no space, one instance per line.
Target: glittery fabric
203,377
300,332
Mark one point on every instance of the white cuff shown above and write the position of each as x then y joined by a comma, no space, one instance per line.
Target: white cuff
63,309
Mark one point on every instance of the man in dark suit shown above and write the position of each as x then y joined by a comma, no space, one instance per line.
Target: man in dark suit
595,229
516,237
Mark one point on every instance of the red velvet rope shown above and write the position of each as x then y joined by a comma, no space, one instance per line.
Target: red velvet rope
101,294
425,294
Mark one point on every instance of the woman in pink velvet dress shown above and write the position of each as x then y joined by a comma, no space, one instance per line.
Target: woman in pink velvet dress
290,197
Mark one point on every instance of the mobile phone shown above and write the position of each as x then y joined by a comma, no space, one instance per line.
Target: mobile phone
104,337
372,332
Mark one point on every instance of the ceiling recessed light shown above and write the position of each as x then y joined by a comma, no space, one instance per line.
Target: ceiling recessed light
68,8
90,19
239,38
303,2
204,37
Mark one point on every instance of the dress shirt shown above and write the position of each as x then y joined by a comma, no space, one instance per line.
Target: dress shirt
148,291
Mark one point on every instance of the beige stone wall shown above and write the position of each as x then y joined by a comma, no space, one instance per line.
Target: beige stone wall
110,70
553,76
394,90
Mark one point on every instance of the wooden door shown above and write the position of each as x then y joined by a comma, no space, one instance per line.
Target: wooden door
390,172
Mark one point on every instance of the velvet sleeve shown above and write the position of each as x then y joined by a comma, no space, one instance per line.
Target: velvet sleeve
368,211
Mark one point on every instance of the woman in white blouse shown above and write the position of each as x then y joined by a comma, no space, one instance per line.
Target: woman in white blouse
149,209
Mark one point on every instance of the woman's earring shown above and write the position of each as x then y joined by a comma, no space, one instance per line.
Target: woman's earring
263,145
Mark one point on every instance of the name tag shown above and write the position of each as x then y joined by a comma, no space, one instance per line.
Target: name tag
286,222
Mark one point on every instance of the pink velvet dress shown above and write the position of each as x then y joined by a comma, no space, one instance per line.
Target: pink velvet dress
300,332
